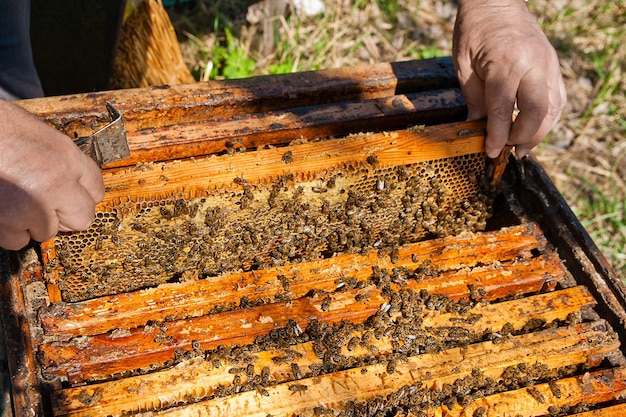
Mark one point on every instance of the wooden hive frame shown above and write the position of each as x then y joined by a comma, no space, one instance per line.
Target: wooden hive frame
522,316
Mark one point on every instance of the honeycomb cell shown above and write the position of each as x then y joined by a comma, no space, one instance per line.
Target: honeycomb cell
355,208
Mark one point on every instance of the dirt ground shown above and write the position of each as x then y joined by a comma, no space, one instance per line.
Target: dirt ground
585,152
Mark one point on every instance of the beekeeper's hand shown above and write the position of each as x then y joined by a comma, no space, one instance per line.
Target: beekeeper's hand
502,57
46,183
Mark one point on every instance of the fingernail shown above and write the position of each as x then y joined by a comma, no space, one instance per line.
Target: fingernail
521,154
493,153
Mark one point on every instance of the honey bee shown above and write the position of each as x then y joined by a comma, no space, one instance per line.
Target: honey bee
297,193
372,160
318,349
371,348
265,375
295,369
362,297
163,338
52,264
553,410
250,372
236,370
195,345
287,157
326,304
556,391
284,281
352,343
298,388
536,394
165,212
237,384
98,243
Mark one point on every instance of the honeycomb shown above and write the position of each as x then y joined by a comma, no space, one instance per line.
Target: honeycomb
299,216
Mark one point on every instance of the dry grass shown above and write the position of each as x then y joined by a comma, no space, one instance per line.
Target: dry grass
585,154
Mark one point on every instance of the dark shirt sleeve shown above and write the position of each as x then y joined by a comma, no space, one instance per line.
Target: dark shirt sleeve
18,76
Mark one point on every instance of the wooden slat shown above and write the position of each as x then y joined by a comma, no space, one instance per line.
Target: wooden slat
446,255
284,126
590,388
611,411
81,114
552,349
17,270
203,176
98,357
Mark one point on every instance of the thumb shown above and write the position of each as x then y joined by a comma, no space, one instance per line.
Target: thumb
473,89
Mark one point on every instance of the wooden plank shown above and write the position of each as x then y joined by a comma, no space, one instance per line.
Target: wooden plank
98,357
17,269
611,411
81,114
200,380
554,398
560,347
446,256
281,127
201,177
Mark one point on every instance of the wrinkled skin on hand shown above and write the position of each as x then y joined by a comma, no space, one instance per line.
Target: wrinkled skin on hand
502,57
47,184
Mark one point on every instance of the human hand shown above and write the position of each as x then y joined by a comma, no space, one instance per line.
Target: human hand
47,184
501,56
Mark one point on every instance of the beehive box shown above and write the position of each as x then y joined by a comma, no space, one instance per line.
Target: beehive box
323,243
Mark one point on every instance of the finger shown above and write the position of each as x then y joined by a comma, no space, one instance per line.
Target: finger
540,108
91,179
45,226
500,95
472,87
474,94
532,122
12,239
78,215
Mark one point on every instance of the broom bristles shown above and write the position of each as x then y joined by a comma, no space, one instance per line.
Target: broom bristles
148,52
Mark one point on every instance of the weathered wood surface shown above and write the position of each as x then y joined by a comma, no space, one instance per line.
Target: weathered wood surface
610,411
550,398
16,272
456,257
552,349
98,357
283,126
80,114
199,119
199,176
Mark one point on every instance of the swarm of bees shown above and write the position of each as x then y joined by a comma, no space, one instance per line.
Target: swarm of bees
408,338
290,219
295,218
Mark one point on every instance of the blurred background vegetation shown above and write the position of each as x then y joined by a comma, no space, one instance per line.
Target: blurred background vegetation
585,153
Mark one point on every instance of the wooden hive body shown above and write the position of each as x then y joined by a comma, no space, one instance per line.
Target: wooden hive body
259,254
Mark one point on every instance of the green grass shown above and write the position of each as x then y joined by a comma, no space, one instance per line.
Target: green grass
603,214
